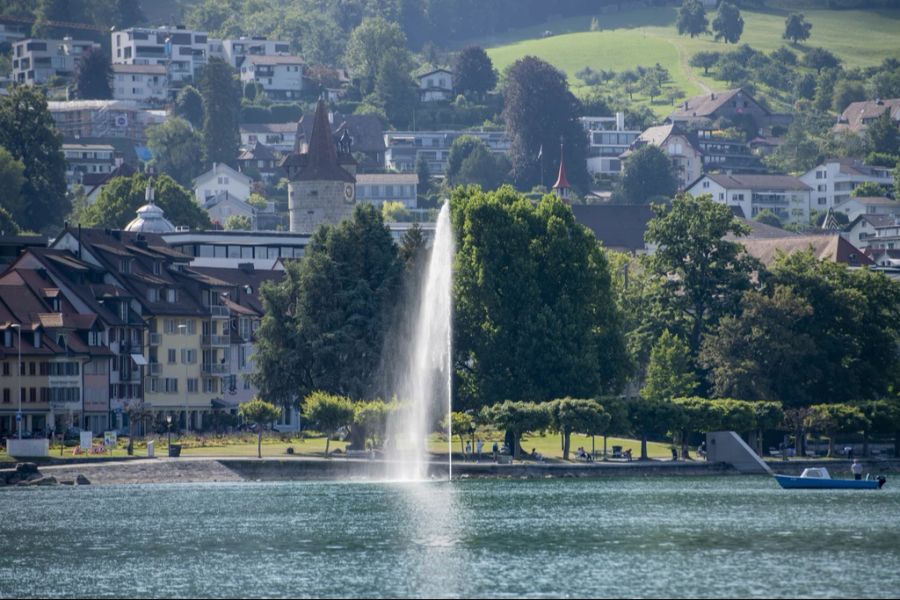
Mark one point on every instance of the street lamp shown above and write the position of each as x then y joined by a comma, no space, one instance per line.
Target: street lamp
169,429
19,416
187,424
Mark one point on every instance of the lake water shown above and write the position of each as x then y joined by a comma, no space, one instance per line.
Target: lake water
658,537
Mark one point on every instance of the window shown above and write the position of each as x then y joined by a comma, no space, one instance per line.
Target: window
188,356
705,185
823,201
152,295
5,395
210,386
171,385
6,369
172,295
192,385
172,354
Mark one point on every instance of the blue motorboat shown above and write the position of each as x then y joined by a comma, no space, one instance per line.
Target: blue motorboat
818,478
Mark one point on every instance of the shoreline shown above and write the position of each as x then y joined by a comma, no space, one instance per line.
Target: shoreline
235,470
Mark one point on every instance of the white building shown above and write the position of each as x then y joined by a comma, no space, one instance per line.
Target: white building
833,181
887,233
235,51
277,136
856,207
37,61
223,206
88,162
435,84
686,159
147,84
786,196
104,118
182,51
864,228
608,139
404,148
221,178
280,76
378,188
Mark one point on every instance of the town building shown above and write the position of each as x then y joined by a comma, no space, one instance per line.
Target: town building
827,247
258,158
786,196
280,137
678,146
863,228
322,177
281,77
236,51
126,119
724,152
435,83
608,139
221,178
887,233
87,164
879,205
405,148
619,227
378,188
183,52
223,206
732,105
858,115
12,30
833,181
38,61
146,84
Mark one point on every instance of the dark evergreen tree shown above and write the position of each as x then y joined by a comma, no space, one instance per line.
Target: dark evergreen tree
189,106
540,113
474,72
221,93
93,81
883,135
648,176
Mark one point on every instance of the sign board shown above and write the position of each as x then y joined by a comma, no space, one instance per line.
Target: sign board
109,439
87,440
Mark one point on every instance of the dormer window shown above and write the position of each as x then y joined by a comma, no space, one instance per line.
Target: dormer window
152,295
172,295
37,339
125,265
157,268
7,338
54,304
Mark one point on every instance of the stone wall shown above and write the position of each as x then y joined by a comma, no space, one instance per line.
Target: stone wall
312,203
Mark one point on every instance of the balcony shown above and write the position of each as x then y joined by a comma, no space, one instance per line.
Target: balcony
219,312
155,339
214,369
215,341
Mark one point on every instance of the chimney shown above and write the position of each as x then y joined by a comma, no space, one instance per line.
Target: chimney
620,121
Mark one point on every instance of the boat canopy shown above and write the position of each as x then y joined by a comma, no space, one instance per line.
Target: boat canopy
816,473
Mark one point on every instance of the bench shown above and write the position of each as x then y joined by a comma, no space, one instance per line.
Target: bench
357,454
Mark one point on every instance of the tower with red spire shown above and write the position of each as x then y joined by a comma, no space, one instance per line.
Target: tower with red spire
322,180
562,186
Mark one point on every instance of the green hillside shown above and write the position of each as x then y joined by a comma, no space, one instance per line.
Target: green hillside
645,37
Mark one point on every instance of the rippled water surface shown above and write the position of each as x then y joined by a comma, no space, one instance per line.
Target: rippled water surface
667,537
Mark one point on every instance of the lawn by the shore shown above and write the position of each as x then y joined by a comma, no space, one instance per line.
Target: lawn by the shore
647,36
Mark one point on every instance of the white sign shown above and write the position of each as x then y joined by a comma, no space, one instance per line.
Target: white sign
109,439
87,440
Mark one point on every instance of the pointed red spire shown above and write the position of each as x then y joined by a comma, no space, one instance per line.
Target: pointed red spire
562,182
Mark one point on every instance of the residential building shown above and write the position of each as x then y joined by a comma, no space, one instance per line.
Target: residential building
829,247
37,61
265,250
280,137
87,164
11,246
147,84
680,148
223,206
405,148
863,229
887,233
726,153
12,30
856,207
858,115
378,188
435,83
786,196
608,139
259,158
365,132
221,178
733,105
834,180
181,51
281,77
322,178
619,227
236,51
104,119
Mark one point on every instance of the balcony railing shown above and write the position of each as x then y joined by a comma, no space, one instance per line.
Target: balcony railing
214,369
219,311
215,340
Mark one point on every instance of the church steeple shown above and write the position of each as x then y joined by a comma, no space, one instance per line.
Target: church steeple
562,185
321,155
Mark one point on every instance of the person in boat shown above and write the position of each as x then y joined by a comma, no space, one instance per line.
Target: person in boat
856,469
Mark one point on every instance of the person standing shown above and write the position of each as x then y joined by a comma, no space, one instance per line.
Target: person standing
468,451
496,450
856,469
479,446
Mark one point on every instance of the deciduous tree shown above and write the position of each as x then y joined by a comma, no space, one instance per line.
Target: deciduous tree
796,28
221,92
94,75
670,373
648,176
692,19
728,24
328,413
568,416
474,72
261,413
177,150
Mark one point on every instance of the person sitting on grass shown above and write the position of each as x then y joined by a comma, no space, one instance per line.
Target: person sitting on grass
537,455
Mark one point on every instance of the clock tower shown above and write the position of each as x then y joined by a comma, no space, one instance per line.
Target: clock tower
321,175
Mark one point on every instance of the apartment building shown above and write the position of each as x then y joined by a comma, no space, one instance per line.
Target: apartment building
281,77
148,84
608,139
236,51
181,51
38,61
786,196
404,148
834,180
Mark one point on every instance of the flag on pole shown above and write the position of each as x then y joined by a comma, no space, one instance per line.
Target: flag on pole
540,152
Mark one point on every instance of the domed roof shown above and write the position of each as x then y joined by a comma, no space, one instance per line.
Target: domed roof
150,219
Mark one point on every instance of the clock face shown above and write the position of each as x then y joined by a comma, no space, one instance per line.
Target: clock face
348,192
